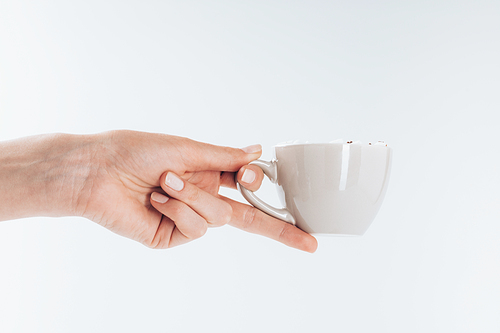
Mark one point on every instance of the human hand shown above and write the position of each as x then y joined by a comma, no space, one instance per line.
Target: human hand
164,209
117,179
212,212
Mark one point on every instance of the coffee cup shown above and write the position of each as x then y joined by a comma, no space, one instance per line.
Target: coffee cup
327,188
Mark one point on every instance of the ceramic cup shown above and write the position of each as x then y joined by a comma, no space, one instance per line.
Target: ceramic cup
330,188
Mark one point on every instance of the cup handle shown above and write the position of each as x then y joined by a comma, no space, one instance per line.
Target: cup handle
271,171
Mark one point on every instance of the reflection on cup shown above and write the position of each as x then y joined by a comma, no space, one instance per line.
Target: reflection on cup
328,188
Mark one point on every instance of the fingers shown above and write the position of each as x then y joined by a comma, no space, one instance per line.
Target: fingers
180,224
190,210
252,220
203,156
187,210
215,211
250,176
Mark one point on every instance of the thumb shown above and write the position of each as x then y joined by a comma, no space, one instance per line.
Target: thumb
206,157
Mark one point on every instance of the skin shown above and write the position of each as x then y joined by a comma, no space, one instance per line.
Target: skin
118,180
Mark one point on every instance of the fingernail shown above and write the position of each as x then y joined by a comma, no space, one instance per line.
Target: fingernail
252,149
158,197
248,176
174,182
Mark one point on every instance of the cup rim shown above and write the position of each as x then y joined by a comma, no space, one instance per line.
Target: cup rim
358,143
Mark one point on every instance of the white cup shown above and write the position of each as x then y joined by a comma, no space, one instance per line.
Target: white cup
330,188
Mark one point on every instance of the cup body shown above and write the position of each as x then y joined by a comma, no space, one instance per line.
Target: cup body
333,188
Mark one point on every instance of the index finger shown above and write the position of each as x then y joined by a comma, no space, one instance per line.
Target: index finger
206,157
252,220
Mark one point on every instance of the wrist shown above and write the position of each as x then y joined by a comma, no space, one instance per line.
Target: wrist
45,175
67,172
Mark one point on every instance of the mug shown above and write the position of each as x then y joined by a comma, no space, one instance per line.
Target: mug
327,188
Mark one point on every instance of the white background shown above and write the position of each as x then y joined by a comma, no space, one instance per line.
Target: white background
422,75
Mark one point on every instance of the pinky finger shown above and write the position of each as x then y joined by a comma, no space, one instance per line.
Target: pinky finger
179,225
168,235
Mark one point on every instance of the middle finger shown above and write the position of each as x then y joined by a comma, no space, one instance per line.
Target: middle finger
215,211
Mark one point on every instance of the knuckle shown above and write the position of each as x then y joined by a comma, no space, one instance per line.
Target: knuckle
200,231
249,217
283,233
177,211
225,215
154,246
228,214
232,155
148,243
152,243
158,239
193,195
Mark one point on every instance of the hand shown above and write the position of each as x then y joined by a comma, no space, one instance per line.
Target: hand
209,210
178,206
255,221
118,179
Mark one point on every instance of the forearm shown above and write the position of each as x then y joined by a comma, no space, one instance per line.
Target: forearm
43,175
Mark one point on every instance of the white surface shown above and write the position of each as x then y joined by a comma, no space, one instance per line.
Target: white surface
423,76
